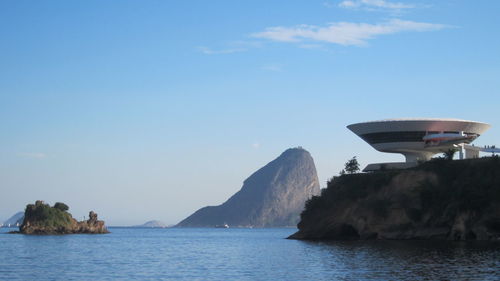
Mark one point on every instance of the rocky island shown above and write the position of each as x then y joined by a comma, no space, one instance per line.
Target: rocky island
41,218
152,224
439,199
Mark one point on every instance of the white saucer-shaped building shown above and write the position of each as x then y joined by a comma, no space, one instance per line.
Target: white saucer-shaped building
418,139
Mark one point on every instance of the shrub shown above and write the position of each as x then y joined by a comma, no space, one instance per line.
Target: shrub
43,215
61,206
351,166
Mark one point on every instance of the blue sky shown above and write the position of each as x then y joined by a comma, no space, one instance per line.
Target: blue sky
146,110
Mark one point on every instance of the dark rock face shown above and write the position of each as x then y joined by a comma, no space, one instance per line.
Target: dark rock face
40,218
271,197
452,200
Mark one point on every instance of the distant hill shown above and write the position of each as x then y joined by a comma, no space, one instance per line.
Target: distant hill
15,219
273,196
153,224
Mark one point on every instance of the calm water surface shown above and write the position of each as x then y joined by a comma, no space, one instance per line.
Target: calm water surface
237,254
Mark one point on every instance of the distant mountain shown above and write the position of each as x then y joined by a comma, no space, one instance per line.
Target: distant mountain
153,224
273,196
17,218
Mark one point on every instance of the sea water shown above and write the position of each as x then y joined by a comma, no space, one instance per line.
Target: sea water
238,254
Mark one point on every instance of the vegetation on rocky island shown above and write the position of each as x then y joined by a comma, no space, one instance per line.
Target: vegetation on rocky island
43,215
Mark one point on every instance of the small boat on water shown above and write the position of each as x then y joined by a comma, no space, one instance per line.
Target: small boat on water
225,225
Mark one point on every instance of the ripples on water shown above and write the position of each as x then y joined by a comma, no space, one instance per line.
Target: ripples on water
238,254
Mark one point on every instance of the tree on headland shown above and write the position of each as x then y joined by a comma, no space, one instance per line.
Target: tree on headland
350,167
448,155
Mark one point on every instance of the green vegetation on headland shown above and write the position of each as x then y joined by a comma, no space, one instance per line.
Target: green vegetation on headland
439,199
41,218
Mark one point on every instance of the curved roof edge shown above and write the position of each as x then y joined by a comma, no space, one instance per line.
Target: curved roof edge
418,119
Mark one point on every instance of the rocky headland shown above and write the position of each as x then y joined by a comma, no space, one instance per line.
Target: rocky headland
41,218
273,196
440,199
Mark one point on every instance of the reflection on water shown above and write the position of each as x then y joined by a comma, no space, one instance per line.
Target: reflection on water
412,260
238,254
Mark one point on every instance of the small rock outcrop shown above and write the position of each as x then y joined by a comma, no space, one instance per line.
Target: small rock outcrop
440,199
40,218
273,196
92,225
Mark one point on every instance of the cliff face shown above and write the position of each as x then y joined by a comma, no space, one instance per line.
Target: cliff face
454,200
273,196
40,218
